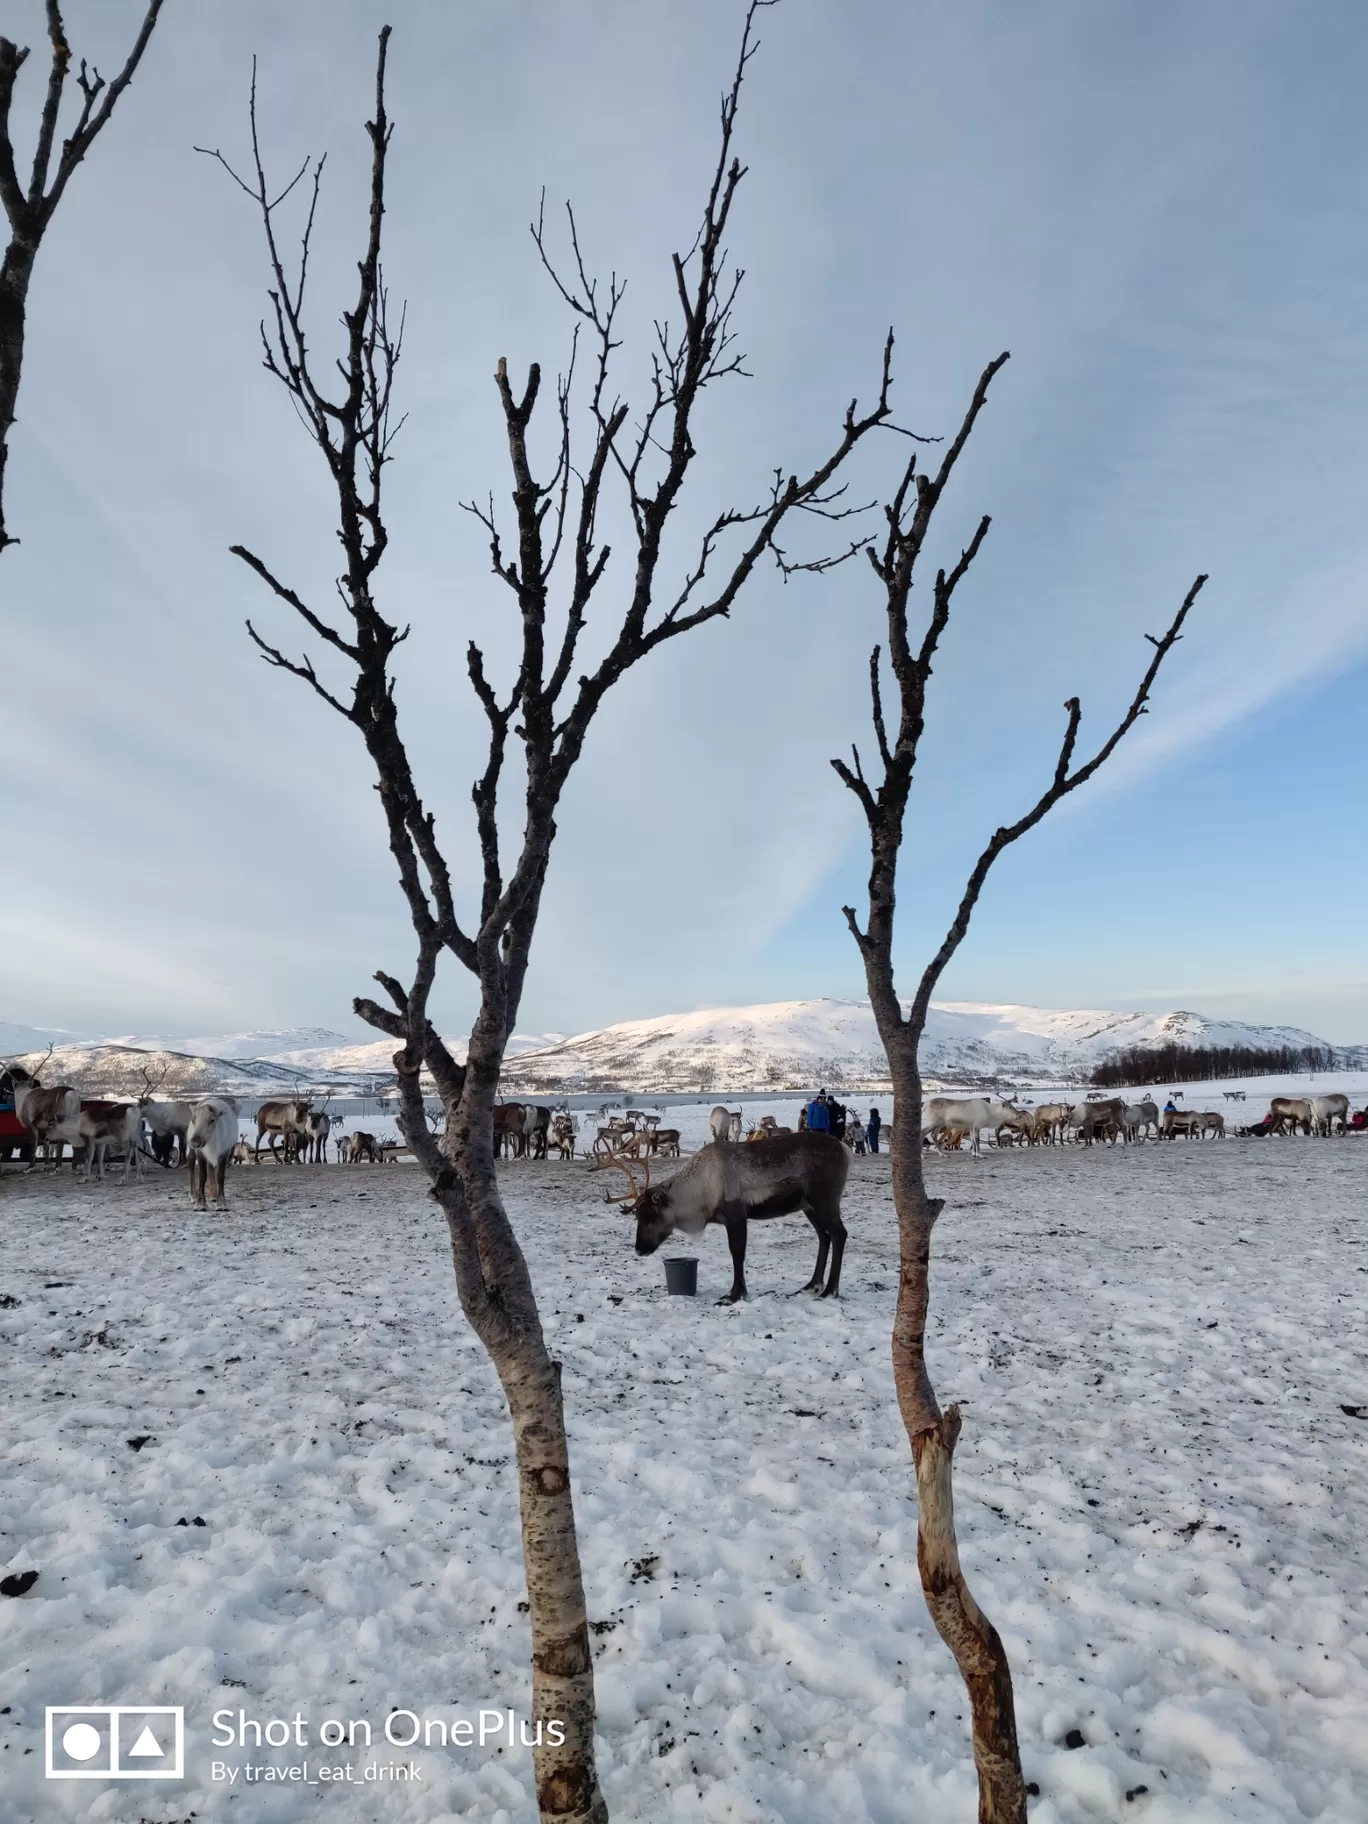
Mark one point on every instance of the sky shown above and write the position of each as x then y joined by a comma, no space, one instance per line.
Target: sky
1159,209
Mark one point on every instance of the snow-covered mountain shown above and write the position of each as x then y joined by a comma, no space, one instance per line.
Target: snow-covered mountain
16,1039
306,1048
266,1044
298,1060
779,1045
801,1044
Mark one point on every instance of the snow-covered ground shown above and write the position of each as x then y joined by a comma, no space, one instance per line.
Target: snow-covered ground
1160,1493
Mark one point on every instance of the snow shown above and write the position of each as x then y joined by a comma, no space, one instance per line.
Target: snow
790,1043
1159,1494
726,1051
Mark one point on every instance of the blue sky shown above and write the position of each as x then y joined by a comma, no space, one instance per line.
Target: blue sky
1159,209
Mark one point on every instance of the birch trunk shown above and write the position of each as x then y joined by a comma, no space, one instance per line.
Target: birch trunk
961,1624
14,284
496,1294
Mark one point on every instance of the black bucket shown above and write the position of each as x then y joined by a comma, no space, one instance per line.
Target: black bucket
681,1275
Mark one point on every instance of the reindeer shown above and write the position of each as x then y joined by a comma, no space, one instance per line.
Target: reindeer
972,1114
290,1120
101,1123
608,1139
1186,1121
362,1146
720,1123
1326,1110
731,1185
1289,1113
536,1129
508,1129
168,1122
315,1143
1102,1119
213,1140
562,1135
1048,1123
50,1115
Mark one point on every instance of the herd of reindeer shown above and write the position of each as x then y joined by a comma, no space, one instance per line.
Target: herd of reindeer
205,1134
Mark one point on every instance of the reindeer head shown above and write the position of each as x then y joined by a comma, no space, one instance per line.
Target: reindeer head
647,1202
655,1218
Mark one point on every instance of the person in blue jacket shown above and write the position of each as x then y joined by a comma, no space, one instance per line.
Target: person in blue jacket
819,1115
872,1127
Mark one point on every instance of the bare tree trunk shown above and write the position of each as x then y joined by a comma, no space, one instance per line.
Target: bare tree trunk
960,1622
496,1294
14,283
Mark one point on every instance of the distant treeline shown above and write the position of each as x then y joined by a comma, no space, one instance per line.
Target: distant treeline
1200,1063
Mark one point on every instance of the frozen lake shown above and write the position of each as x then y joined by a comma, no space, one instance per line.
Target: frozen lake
1160,1495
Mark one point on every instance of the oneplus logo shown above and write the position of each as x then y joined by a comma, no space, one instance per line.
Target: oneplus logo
115,1742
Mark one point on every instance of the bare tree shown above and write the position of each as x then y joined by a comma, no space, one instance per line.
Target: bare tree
962,1625
554,567
30,209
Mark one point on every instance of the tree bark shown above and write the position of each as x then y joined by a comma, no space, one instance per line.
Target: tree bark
562,1667
15,275
960,1622
497,1297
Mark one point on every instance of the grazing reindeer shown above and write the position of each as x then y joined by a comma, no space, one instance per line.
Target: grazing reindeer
1102,1119
971,1113
734,1185
212,1140
1048,1123
289,1120
720,1123
1289,1113
168,1122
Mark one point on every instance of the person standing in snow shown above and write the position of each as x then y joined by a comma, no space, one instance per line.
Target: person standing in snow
836,1110
855,1134
819,1115
874,1125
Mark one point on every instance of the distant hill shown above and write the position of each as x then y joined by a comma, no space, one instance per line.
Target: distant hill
778,1045
805,1044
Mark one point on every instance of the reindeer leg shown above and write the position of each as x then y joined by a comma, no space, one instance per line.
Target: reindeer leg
735,1220
823,1243
832,1289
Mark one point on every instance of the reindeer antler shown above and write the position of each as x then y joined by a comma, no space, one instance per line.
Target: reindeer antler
616,1163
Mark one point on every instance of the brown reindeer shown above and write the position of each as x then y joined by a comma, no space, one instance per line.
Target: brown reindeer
734,1184
287,1120
509,1119
50,1115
